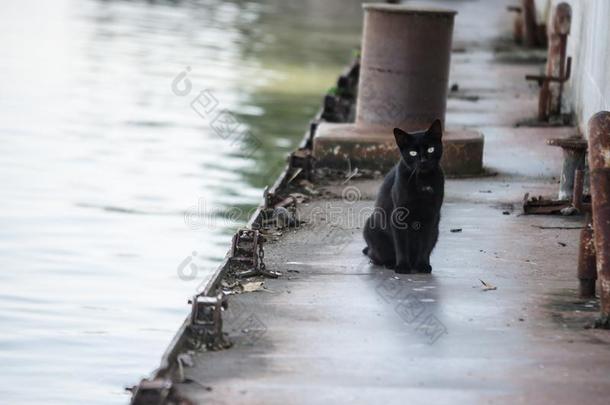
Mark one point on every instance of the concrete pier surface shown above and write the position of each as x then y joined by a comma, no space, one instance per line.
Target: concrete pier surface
498,320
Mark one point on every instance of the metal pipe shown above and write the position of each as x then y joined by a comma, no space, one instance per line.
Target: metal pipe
599,165
405,66
573,160
579,185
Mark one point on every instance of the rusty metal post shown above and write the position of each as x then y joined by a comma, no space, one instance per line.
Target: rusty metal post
574,151
530,27
405,66
587,271
517,23
599,165
556,62
558,65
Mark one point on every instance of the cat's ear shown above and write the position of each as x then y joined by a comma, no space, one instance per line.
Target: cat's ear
436,130
403,139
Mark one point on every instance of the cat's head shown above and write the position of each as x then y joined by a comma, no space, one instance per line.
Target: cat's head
421,150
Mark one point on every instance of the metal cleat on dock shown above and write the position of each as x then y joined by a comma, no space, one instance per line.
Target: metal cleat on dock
206,320
151,392
247,254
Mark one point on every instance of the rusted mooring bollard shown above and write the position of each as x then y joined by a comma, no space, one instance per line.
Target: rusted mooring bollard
599,165
404,70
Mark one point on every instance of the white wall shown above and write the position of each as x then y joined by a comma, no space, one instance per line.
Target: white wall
588,90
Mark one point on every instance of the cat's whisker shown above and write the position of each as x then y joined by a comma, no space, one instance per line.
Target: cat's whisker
412,173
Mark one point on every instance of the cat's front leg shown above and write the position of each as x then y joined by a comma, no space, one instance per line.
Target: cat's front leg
428,238
401,248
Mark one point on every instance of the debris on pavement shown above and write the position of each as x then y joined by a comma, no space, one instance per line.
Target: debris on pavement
487,287
253,286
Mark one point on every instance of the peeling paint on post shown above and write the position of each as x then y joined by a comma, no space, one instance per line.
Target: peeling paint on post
599,164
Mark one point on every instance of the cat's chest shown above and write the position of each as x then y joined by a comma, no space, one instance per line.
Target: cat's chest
420,193
421,200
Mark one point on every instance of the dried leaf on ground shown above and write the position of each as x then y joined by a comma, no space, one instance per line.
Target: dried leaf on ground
253,286
487,286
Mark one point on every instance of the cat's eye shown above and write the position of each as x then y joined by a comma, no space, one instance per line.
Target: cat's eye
431,149
412,153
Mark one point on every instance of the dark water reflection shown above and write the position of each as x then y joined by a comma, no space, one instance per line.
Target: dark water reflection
99,161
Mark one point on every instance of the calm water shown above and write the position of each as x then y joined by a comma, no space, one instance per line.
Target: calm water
100,160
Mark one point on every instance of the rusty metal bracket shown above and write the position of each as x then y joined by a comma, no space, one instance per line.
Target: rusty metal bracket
247,254
543,206
151,392
206,320
541,79
574,150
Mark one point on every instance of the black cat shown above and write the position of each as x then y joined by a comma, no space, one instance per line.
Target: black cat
403,229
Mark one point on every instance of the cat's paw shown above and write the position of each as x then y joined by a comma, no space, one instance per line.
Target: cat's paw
403,269
424,268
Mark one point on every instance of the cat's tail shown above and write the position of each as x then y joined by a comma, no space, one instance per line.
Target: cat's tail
365,251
